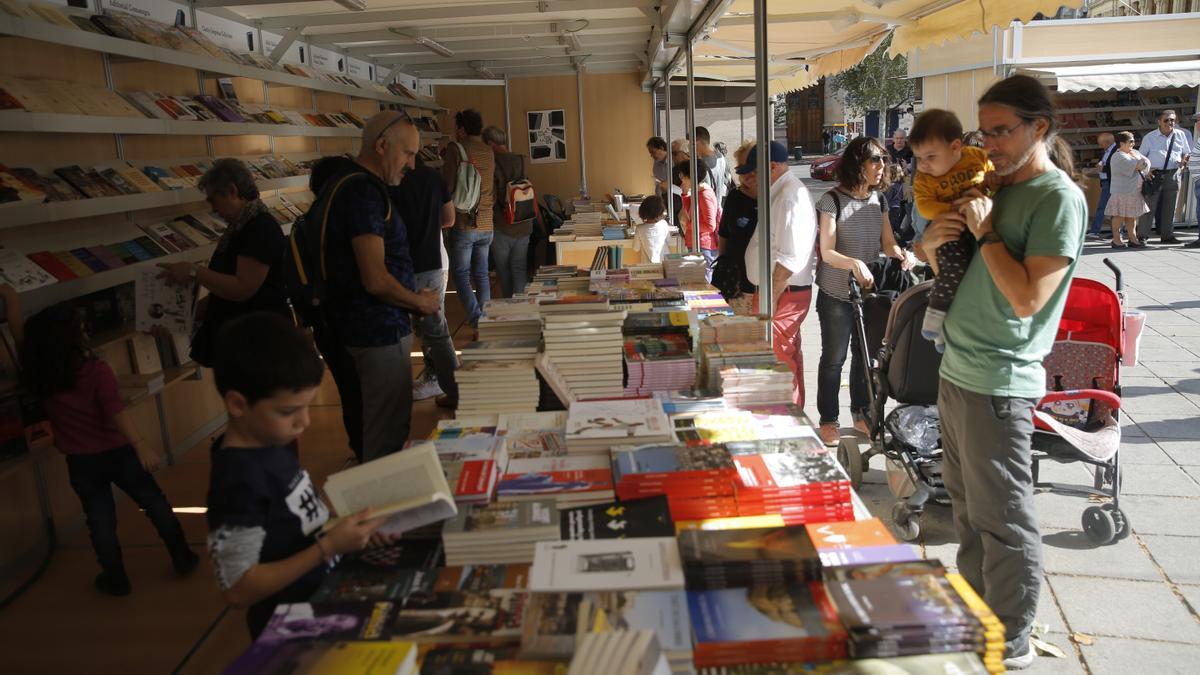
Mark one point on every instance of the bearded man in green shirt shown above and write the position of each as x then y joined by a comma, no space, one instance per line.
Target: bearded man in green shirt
999,329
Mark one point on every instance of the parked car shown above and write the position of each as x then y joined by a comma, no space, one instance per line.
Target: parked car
825,168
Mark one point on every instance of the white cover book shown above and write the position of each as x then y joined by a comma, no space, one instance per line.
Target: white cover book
22,273
409,487
638,418
160,303
650,563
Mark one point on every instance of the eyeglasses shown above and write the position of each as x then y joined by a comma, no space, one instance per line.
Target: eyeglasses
1002,132
1170,120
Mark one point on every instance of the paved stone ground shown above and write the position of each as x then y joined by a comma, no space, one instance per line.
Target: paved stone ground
1137,601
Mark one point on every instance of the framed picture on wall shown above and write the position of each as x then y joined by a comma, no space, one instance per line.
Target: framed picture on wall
547,135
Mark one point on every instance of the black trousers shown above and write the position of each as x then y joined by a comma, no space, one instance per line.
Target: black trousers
92,477
345,376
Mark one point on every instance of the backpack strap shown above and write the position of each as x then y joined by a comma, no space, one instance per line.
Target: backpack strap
331,191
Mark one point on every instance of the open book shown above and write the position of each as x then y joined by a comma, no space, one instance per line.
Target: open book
408,488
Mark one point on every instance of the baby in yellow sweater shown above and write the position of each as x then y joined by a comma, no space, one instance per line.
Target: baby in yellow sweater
946,170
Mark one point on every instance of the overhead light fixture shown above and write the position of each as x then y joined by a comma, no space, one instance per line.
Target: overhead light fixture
428,43
353,5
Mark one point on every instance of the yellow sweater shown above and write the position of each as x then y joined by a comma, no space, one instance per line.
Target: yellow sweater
933,194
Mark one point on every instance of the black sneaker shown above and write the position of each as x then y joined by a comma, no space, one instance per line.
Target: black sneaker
1169,240
1193,244
113,583
184,562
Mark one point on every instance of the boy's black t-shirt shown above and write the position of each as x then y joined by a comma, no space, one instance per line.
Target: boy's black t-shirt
262,508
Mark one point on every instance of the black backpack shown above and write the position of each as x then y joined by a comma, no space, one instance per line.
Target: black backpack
304,266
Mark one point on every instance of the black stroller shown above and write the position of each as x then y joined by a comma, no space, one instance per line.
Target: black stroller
888,321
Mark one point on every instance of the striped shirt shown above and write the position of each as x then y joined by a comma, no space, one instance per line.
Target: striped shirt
859,233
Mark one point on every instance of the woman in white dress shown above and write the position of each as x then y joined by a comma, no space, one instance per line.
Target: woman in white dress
1125,186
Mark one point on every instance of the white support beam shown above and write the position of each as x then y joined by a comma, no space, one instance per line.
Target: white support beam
631,42
520,63
459,10
844,17
463,82
285,43
494,57
206,4
478,31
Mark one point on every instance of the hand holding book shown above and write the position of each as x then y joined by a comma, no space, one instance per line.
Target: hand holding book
351,533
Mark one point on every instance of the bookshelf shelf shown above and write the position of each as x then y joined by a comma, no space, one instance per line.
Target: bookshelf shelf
17,215
63,290
1118,108
45,32
19,120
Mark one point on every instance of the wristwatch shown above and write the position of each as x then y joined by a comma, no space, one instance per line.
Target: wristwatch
989,238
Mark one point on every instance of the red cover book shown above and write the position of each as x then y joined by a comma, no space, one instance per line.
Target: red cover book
47,261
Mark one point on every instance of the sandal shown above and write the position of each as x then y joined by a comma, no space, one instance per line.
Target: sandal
1118,245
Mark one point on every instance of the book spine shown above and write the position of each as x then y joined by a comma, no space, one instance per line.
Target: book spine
47,261
74,263
92,262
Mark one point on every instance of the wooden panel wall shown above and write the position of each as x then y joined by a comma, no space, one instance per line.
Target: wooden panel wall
959,93
617,122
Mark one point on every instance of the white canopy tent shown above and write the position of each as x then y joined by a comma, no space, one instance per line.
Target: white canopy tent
1124,76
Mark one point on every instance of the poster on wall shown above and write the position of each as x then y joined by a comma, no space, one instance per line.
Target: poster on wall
547,135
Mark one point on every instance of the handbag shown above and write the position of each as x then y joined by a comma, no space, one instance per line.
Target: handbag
1151,185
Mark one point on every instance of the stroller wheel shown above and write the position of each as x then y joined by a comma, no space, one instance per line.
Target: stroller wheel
908,525
1099,525
1120,520
851,460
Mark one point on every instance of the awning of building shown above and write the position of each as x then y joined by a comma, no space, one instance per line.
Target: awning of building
1122,76
810,39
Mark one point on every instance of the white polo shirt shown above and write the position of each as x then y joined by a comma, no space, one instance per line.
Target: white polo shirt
793,233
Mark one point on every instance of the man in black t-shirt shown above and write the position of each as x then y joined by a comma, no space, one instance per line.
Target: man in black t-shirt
900,152
264,513
427,208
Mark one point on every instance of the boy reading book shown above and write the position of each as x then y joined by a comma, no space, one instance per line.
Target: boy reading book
264,514
651,235
946,170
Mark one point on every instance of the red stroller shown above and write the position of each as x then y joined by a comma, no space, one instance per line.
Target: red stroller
1078,420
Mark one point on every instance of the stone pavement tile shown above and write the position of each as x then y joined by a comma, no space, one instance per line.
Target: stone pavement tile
1049,614
1071,472
1192,595
1124,608
1169,318
1114,656
1171,370
1185,384
1059,512
1048,665
1162,515
1139,371
1172,353
1169,481
1136,386
1129,427
1071,552
1142,450
1169,425
1165,402
1193,471
1177,556
1182,451
1180,330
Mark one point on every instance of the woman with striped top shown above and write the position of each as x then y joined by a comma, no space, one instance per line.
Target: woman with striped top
854,230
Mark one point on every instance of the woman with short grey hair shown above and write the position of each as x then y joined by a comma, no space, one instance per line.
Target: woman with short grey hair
245,273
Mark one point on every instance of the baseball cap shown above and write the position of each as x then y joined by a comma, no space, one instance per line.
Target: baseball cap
778,154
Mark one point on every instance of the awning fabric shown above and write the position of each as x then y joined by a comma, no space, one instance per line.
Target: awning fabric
815,38
1122,76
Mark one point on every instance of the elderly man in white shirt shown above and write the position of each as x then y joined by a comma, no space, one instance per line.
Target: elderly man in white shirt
793,250
1167,148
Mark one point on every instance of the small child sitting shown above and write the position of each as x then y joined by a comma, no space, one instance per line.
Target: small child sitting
92,428
651,235
264,514
946,170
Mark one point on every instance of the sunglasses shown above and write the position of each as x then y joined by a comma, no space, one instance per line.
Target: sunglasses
877,159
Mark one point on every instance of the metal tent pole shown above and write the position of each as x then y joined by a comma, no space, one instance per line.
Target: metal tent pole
583,186
762,98
670,162
691,134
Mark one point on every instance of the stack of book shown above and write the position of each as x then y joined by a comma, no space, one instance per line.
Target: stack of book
771,556
716,357
487,386
690,401
796,477
569,481
473,459
500,350
858,542
725,329
765,384
619,520
720,426
658,362
697,480
619,652
593,427
705,301
533,435
510,319
904,609
686,268
585,349
497,534
649,563
765,624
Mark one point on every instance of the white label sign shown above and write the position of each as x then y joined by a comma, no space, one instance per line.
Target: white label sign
327,60
162,11
297,54
228,34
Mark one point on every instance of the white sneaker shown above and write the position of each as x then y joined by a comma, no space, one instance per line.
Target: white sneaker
1021,661
426,387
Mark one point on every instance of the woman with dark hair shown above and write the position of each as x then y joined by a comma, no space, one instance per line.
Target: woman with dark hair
245,273
706,212
1001,326
1125,202
855,228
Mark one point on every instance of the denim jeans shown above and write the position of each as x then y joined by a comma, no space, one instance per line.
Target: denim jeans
1098,219
710,258
436,344
92,477
511,256
837,334
469,261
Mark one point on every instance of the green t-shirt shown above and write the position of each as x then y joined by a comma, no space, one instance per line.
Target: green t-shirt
989,350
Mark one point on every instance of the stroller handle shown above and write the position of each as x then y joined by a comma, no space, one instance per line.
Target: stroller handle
1116,272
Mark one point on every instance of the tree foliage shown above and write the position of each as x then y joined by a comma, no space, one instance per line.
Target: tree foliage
877,83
